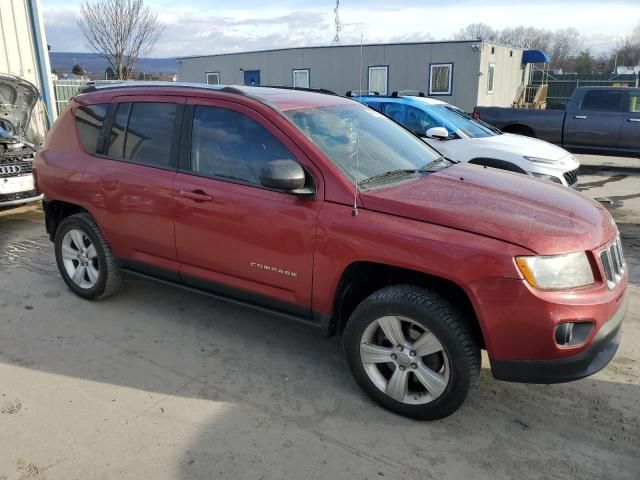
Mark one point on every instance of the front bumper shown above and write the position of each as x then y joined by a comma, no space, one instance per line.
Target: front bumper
20,198
591,360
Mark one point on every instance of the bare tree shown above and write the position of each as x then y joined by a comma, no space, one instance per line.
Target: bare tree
566,44
526,37
476,31
122,31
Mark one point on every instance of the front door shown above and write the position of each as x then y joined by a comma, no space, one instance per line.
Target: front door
630,136
597,122
233,236
252,77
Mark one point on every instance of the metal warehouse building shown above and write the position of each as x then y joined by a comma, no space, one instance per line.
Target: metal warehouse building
465,73
23,53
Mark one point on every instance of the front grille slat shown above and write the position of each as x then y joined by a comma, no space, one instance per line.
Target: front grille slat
25,169
613,263
571,177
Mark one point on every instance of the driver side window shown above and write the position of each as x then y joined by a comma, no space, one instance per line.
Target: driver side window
419,121
229,144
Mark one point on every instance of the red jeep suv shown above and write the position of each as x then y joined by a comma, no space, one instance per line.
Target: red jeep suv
317,208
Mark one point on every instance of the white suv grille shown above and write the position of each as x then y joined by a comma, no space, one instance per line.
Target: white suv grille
613,263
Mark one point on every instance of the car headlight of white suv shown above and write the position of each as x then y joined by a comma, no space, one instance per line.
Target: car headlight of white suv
556,272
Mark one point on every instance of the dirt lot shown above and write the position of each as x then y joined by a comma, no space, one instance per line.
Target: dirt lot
160,383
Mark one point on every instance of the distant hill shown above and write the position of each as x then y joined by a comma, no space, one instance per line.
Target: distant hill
95,65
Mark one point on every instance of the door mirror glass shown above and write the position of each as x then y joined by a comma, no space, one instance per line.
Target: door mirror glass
285,175
438,132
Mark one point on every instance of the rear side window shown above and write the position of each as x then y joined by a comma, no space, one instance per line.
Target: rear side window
89,121
602,101
142,133
226,143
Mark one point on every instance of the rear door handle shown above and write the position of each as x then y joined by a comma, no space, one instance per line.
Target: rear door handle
633,119
196,196
580,117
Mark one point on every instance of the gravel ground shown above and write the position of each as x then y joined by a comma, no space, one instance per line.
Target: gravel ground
165,384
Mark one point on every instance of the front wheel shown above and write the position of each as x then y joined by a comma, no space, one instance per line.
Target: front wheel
411,352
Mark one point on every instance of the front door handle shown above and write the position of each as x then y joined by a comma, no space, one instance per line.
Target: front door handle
196,196
633,119
579,117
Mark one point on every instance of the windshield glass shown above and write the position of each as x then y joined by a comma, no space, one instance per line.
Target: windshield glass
362,142
456,121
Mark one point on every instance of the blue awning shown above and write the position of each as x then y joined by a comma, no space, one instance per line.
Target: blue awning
535,56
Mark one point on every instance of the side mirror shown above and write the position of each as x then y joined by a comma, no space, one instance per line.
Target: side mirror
440,133
285,175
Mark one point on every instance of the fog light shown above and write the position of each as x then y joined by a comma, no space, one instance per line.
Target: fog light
573,333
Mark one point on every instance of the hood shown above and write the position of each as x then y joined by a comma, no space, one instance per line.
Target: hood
543,217
524,146
17,99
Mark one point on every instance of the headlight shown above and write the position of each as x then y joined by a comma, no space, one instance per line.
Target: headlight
544,176
542,160
557,271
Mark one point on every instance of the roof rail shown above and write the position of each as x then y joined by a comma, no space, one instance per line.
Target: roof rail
408,93
362,93
301,89
94,87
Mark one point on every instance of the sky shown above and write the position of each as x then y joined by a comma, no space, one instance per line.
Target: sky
196,27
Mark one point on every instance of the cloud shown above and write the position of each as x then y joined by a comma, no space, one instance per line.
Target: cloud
195,28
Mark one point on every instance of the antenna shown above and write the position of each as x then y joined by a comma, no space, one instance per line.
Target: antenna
354,212
336,39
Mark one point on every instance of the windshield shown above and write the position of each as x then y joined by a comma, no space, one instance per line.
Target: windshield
363,143
456,121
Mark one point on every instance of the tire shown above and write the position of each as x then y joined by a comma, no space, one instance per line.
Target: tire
454,355
101,276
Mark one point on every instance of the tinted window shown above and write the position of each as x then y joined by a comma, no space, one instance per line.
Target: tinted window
149,132
602,101
419,121
118,131
231,145
89,120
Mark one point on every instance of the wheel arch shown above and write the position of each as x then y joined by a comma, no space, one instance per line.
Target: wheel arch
519,129
361,278
55,211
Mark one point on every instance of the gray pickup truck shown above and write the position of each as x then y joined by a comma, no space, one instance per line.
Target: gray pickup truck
596,120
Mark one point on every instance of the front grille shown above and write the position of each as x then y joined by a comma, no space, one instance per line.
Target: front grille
10,197
613,263
15,169
571,177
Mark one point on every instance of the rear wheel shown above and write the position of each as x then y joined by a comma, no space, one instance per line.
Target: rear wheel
84,259
412,352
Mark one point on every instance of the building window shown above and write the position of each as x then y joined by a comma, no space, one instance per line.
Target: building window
490,76
378,79
213,78
301,78
440,78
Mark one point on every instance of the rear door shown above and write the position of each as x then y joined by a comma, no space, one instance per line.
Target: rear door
131,178
630,137
233,236
597,122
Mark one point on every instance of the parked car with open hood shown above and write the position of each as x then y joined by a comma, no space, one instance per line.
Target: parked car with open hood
319,209
457,135
17,100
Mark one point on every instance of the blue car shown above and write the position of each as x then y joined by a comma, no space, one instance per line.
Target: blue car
457,135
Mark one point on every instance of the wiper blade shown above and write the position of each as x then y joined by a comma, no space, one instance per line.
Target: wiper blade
390,173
